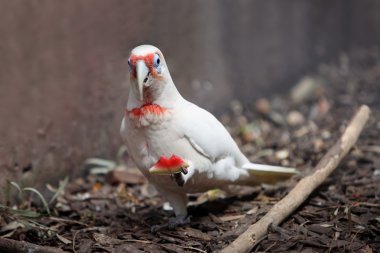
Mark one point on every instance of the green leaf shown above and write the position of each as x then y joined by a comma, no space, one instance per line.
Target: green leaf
17,187
23,213
98,162
40,196
60,189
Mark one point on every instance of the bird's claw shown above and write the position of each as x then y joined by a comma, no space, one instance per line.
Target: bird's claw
177,177
184,170
172,224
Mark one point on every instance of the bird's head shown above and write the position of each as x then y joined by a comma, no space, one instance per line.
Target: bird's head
148,72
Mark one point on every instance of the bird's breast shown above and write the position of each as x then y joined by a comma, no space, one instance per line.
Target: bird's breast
148,133
148,115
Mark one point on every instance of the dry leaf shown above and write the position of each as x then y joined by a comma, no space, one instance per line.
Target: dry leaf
195,233
63,239
231,217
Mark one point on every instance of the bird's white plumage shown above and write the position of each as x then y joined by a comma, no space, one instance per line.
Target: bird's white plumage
144,49
187,131
209,134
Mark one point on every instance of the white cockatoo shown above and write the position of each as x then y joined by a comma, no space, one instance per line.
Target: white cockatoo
180,147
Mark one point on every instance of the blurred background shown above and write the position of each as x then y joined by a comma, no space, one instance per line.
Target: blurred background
63,74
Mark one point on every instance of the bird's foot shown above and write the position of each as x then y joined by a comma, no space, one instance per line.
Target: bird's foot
178,178
184,169
173,223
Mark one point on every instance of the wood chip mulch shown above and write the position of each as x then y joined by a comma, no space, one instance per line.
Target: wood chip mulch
114,213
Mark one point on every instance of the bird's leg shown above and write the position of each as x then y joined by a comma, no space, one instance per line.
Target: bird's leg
173,223
178,200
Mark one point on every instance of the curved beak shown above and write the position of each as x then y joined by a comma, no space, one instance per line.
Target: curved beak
141,73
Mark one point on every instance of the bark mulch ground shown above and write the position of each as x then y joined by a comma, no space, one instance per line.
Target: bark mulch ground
112,211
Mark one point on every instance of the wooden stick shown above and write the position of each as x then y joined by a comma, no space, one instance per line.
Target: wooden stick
246,241
13,246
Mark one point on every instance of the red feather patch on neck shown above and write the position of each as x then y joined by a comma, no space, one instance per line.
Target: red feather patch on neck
147,109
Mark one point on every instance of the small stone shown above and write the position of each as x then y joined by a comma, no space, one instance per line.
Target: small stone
282,154
318,145
326,134
352,164
304,130
324,106
122,174
284,138
263,106
295,118
242,120
320,109
225,119
306,89
285,163
277,118
250,132
236,107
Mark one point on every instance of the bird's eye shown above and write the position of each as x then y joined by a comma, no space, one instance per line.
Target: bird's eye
130,65
156,63
156,60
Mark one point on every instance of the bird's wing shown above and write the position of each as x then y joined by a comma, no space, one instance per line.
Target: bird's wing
197,147
207,135
211,139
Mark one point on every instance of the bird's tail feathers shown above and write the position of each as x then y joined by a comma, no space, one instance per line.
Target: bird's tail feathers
261,173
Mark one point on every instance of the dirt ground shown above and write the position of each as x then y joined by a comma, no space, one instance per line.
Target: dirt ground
112,211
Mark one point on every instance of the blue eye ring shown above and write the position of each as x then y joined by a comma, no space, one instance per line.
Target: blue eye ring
130,65
156,63
156,60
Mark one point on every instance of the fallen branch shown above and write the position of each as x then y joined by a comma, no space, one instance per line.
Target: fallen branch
246,241
13,246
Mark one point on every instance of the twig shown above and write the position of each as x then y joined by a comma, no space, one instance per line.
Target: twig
136,240
84,230
192,248
67,221
13,246
304,188
365,204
